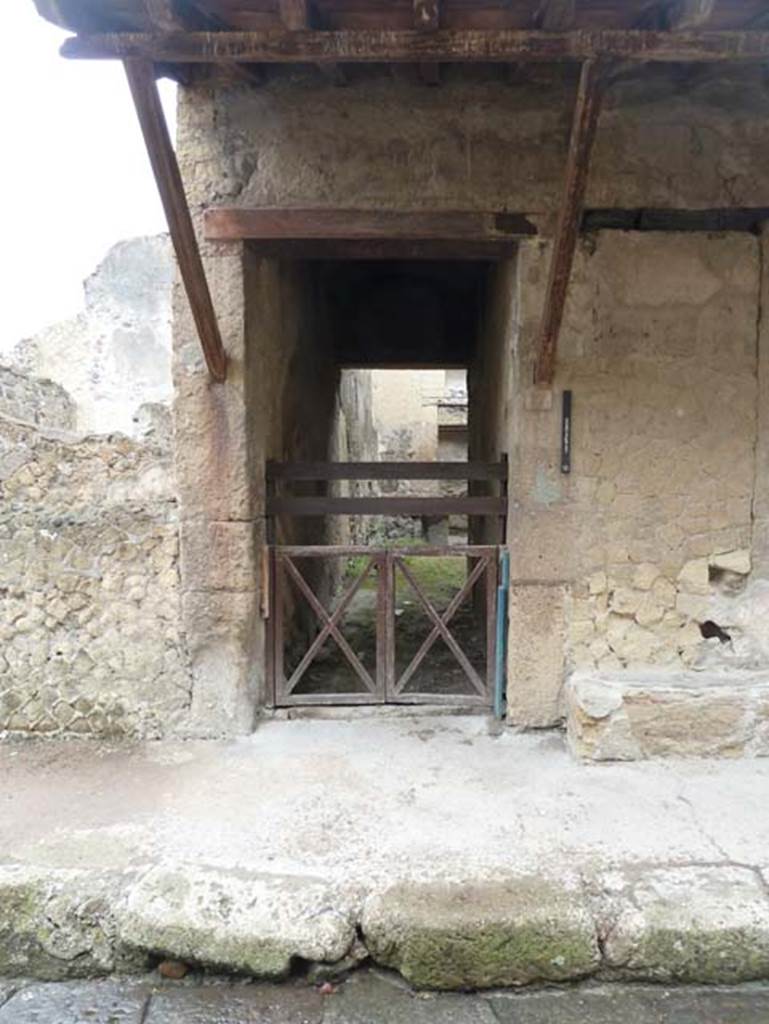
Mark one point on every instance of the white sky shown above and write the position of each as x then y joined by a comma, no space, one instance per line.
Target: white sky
74,175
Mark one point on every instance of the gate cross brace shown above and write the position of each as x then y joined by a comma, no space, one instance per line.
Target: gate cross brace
330,623
329,626
446,618
144,90
440,625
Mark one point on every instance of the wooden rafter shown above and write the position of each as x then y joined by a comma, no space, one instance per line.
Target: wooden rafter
162,16
427,18
445,45
141,79
556,15
297,16
683,15
585,122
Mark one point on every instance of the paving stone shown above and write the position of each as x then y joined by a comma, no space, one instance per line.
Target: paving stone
7,989
104,1002
244,1004
629,1004
370,999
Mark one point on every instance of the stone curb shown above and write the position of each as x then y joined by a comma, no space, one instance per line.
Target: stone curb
699,923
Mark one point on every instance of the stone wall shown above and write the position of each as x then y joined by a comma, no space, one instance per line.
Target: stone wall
480,141
34,401
90,626
620,562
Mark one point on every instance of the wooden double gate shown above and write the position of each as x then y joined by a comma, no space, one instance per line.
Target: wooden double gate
315,591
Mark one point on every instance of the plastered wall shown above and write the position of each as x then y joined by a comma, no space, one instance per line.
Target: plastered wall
616,565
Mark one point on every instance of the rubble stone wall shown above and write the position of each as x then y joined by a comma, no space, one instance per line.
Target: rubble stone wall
39,402
90,624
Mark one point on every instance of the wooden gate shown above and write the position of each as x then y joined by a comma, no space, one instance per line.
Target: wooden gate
447,657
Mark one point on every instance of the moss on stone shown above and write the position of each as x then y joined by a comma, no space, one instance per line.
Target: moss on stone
448,937
724,957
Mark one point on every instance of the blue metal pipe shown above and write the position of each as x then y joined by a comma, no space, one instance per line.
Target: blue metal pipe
500,676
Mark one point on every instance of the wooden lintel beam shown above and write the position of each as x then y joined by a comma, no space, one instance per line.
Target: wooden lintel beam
586,112
144,90
229,224
410,46
555,15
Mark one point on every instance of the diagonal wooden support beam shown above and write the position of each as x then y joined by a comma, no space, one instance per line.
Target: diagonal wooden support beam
586,112
141,79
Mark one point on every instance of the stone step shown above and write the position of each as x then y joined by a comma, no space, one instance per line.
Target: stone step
635,716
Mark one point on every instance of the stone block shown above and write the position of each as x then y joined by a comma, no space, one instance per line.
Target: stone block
225,641
235,1004
482,936
237,921
688,925
536,652
732,561
101,1002
59,924
633,716
221,555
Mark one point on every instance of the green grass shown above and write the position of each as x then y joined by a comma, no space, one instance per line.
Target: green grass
439,576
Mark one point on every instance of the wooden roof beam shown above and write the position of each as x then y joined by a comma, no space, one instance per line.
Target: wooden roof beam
144,90
165,18
684,15
586,112
410,46
297,16
427,18
556,15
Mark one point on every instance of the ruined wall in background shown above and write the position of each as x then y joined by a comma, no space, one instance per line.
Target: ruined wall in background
652,531
91,637
114,357
34,401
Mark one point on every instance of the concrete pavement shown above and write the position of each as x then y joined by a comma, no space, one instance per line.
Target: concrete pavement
459,858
